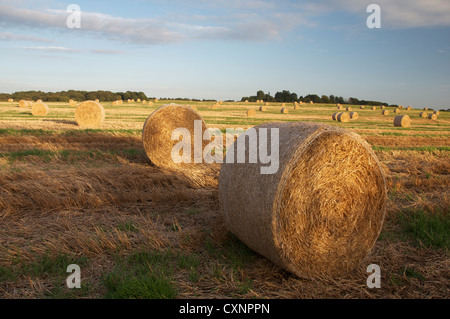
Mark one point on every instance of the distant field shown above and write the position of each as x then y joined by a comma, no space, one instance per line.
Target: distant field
91,197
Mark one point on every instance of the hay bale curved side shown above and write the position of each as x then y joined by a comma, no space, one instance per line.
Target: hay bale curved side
251,113
284,110
90,114
432,116
402,121
24,103
334,116
423,114
385,112
39,109
262,108
301,217
158,129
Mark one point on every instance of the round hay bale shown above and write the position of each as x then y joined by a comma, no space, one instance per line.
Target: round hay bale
340,107
251,113
39,101
343,117
246,101
10,100
432,116
362,107
72,103
284,110
400,106
409,108
353,115
349,109
373,108
39,109
425,109
192,107
158,129
115,103
423,114
402,121
266,104
436,112
24,103
396,110
150,103
262,108
90,114
283,104
383,107
138,100
334,116
97,100
301,217
144,101
385,112
311,102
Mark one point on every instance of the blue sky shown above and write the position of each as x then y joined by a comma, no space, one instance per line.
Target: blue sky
228,49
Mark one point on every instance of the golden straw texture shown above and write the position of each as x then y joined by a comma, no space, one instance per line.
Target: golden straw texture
303,217
90,114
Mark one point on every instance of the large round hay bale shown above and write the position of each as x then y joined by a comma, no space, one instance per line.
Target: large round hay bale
385,112
353,115
25,103
349,109
343,117
262,108
90,114
334,116
423,114
251,113
432,116
39,109
301,217
402,121
158,129
284,110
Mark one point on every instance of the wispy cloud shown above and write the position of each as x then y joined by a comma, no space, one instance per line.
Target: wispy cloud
101,51
50,49
7,36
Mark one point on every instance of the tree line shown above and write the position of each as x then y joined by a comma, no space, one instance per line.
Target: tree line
286,97
65,96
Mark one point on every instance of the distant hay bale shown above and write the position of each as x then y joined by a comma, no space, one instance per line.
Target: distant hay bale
423,114
266,104
90,114
138,100
220,102
10,100
129,101
97,100
115,103
353,115
246,101
150,103
284,110
72,103
373,108
432,116
436,112
283,104
132,100
396,110
334,116
158,129
409,108
39,109
301,217
385,112
383,107
262,108
311,102
402,121
39,101
156,100
400,106
214,106
340,107
251,113
349,109
362,107
343,117
425,109
25,103
296,106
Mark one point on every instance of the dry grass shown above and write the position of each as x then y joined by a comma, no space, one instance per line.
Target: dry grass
89,199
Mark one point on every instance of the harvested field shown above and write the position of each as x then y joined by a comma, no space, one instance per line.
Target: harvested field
91,197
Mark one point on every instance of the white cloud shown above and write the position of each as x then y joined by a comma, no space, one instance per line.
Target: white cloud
7,36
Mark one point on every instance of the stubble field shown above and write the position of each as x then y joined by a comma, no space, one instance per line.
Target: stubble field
91,197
